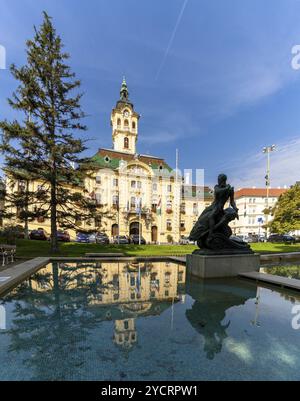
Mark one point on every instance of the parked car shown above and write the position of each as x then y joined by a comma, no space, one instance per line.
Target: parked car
82,237
285,238
63,236
185,240
39,234
244,238
134,239
102,238
121,239
92,238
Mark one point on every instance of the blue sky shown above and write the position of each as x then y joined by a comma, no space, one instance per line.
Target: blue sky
212,78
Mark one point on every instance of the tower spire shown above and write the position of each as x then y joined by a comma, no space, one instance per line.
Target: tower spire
124,94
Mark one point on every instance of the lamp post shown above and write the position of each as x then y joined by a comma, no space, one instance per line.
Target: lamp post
267,150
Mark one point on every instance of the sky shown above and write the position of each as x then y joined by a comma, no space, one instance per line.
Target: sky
211,78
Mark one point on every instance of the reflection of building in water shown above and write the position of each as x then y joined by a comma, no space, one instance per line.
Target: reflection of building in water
118,291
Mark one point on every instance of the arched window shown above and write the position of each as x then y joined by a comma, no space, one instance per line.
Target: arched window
119,122
126,124
114,230
133,125
126,143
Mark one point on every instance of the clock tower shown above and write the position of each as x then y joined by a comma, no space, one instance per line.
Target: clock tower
124,122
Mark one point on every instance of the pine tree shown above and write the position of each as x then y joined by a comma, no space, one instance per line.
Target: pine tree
44,145
287,211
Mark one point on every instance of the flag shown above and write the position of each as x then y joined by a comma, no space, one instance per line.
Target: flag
158,208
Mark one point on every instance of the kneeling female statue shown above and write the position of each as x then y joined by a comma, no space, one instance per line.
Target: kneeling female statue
212,232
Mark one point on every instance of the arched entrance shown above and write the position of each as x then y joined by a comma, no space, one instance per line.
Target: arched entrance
134,228
153,234
114,230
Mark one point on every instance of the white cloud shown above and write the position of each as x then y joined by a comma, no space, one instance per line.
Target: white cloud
250,170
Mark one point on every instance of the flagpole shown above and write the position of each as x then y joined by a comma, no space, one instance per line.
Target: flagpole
118,205
176,179
140,212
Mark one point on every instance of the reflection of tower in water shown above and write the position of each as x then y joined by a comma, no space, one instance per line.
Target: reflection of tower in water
125,334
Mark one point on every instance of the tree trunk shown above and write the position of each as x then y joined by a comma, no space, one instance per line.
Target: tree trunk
26,230
54,242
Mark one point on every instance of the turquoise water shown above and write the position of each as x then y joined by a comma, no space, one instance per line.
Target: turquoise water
146,321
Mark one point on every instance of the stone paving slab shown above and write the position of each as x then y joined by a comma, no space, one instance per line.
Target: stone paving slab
13,275
273,279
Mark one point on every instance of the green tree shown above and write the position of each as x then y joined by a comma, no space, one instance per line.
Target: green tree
44,145
287,211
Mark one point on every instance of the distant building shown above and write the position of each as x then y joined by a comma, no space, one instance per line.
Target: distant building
252,203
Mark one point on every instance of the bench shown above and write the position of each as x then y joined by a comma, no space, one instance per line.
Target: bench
8,253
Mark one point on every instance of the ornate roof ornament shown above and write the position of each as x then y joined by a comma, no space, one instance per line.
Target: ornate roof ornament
124,94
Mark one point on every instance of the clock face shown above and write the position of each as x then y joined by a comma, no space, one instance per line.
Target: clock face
126,114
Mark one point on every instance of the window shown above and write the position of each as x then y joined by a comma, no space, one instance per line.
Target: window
119,122
136,184
115,279
169,188
133,125
154,186
126,325
195,208
126,124
132,281
126,143
182,208
132,202
115,199
169,225
98,198
115,182
98,179
182,225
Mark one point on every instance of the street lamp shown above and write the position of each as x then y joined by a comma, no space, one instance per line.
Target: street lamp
268,150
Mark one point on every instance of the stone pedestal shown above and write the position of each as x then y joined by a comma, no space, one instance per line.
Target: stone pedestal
213,266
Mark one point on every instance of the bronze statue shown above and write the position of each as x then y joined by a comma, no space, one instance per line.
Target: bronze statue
212,231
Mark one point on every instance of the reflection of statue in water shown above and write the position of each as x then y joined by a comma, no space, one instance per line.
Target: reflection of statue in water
208,313
212,231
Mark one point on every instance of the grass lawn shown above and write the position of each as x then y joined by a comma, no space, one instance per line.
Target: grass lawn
28,249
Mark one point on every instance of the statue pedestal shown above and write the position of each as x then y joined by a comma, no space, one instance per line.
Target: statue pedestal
213,266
